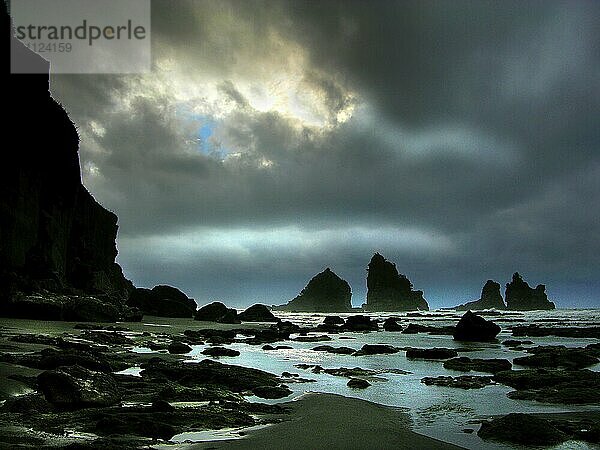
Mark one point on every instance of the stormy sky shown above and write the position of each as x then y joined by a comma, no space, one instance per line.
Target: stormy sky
273,139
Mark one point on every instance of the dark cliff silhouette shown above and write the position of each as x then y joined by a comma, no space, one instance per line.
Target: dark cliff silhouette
521,297
387,290
325,292
490,298
54,237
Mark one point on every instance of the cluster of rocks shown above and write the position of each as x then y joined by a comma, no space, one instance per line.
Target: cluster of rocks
74,386
519,297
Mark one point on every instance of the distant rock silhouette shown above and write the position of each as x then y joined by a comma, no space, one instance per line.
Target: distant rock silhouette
54,237
257,313
387,290
490,298
325,292
164,301
521,297
217,312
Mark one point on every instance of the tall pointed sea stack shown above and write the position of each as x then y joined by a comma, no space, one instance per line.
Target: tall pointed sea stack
325,292
387,290
57,244
490,298
521,297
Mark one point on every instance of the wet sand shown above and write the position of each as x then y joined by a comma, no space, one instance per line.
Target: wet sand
328,421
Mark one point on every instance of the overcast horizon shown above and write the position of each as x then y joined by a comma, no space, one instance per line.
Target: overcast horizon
273,139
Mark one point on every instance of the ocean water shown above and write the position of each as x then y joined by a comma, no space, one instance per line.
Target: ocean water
438,412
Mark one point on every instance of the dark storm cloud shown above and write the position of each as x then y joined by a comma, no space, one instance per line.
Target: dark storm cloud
475,129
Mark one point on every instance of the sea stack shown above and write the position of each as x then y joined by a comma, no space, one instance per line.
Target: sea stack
387,290
490,298
325,292
521,297
57,244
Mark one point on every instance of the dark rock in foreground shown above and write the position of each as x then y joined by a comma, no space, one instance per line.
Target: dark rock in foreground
430,353
357,383
559,357
164,301
464,364
359,323
325,292
391,324
334,350
208,372
490,299
522,429
74,387
474,328
220,351
333,320
179,348
376,349
461,382
521,297
572,332
271,392
257,313
217,312
414,328
387,290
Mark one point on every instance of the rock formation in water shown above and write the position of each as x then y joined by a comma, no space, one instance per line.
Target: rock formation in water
490,299
164,301
56,242
521,297
217,312
325,292
257,313
475,328
387,290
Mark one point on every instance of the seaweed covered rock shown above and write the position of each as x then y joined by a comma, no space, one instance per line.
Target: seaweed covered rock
475,328
325,292
163,301
387,290
490,298
358,323
217,312
257,313
521,297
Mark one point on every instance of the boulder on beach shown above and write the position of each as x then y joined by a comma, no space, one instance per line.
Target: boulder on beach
163,301
325,292
217,312
220,351
333,320
179,348
359,323
391,324
358,383
490,299
475,328
465,364
271,392
521,297
461,382
387,290
257,313
376,349
522,429
430,353
74,387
